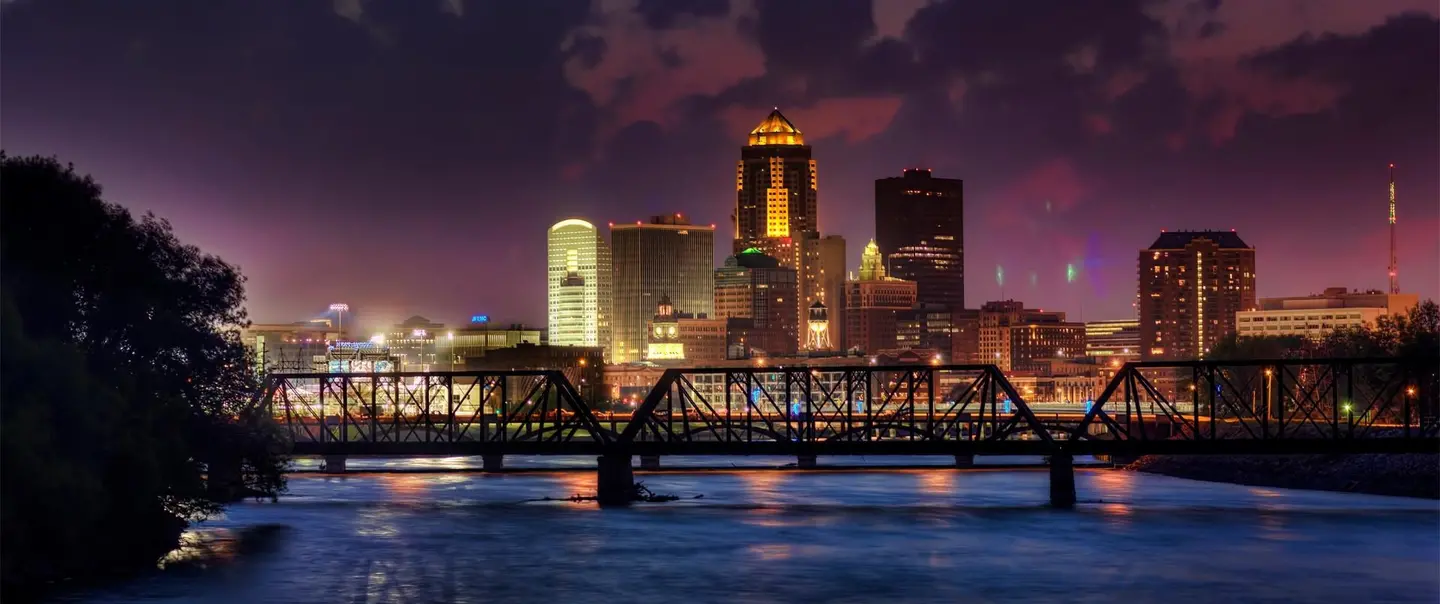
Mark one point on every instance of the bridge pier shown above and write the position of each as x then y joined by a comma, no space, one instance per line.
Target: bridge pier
805,461
649,462
964,461
334,464
492,462
616,484
1062,480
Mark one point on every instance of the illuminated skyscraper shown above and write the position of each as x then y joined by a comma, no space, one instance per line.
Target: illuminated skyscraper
666,257
579,285
1192,283
775,204
920,228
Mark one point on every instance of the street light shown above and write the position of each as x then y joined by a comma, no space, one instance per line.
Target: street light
340,309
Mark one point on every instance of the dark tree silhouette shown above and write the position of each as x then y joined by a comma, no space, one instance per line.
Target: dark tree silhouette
127,408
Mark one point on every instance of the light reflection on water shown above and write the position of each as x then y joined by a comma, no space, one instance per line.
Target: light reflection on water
786,536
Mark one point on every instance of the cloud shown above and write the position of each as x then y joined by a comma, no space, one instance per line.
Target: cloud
1211,45
852,119
640,73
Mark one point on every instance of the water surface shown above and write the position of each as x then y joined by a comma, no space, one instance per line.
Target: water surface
933,535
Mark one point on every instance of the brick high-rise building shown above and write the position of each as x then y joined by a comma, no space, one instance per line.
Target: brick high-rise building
1191,285
920,228
1015,338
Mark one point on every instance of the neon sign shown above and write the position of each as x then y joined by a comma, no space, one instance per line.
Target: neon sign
479,318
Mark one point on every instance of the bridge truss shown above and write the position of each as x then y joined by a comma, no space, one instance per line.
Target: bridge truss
1271,406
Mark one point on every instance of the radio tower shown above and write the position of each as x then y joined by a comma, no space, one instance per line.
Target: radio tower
1394,264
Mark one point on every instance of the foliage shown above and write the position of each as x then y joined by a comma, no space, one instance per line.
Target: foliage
124,381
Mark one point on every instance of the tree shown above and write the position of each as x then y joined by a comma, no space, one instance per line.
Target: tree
128,407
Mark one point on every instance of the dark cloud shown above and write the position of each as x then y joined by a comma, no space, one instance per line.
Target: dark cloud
664,14
406,156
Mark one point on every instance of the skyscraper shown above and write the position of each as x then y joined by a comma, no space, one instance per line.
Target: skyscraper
757,295
1191,285
579,285
920,227
775,204
832,285
666,257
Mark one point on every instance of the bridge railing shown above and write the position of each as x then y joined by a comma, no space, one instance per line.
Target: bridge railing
1266,400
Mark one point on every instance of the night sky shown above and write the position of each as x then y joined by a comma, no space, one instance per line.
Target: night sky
407,156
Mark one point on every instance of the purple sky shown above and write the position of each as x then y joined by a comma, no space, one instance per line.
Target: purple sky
407,156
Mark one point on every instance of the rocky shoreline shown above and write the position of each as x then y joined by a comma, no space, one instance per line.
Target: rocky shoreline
1405,475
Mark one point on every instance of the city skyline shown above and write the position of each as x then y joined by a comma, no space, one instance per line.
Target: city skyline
1237,121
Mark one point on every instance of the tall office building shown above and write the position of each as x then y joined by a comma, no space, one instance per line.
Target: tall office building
756,295
579,285
775,204
1192,284
920,228
666,257
831,255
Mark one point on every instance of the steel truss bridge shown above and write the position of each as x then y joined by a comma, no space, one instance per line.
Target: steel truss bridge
1287,406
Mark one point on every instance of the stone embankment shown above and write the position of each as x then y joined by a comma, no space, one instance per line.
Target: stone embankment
1407,475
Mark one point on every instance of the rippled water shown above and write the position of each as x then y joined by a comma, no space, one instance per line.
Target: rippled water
935,535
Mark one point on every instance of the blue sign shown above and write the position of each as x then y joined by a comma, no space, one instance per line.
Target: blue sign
755,395
1088,405
479,318
859,406
1005,407
794,409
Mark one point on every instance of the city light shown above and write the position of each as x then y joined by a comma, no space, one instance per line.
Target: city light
340,308
378,339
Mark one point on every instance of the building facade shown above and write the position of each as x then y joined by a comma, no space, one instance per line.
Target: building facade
756,295
703,338
580,285
1116,341
666,257
776,208
832,285
1024,340
873,303
920,228
1192,284
288,347
1319,315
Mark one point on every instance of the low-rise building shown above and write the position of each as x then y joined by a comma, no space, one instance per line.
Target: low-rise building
1317,316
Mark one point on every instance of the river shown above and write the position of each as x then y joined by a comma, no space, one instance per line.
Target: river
932,535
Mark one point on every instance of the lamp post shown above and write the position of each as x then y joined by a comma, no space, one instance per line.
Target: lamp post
340,309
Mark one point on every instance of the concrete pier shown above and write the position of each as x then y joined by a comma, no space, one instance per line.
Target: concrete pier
616,484
1062,480
334,464
492,462
649,462
964,461
805,461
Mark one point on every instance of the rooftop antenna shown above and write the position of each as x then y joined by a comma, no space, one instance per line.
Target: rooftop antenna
1394,263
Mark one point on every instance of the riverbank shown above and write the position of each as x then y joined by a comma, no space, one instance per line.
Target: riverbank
1405,475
